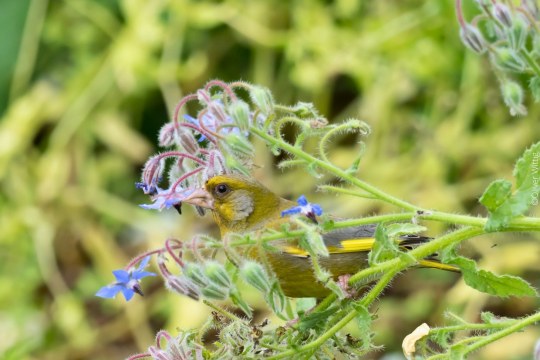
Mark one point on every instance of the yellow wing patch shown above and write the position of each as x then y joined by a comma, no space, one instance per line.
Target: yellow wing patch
347,246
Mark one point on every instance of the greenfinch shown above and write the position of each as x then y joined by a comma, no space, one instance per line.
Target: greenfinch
240,205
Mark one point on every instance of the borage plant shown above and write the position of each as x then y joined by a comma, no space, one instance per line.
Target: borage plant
510,34
218,140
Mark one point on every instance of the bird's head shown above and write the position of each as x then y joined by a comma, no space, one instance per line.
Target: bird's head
238,203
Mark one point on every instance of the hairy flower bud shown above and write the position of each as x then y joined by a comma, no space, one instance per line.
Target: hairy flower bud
186,139
255,275
502,13
517,33
513,98
195,272
262,98
151,175
239,111
238,144
305,110
531,7
276,298
507,59
472,38
166,135
216,273
182,286
214,291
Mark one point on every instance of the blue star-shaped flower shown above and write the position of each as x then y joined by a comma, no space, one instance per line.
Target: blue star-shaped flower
127,282
305,208
165,199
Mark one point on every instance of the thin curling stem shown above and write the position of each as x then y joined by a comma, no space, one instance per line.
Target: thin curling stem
180,105
334,170
184,177
223,85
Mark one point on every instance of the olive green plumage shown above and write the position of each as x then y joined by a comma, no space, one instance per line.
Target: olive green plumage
240,204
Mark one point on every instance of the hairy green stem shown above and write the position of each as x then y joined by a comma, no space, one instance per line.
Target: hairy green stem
333,169
418,253
518,325
530,61
366,301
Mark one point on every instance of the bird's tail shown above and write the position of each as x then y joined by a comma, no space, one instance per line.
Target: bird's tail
409,242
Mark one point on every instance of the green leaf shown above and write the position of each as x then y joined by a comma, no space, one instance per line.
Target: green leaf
496,194
534,86
241,303
305,304
363,320
312,241
383,248
490,283
316,320
398,229
503,205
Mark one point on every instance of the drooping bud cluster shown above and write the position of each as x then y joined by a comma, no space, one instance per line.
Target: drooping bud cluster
509,33
215,141
168,347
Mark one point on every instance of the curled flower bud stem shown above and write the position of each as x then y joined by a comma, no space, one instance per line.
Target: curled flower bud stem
181,104
221,84
184,177
162,334
202,131
169,154
203,126
459,14
139,257
139,356
177,245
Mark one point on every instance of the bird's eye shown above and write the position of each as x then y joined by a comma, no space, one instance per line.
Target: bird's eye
222,189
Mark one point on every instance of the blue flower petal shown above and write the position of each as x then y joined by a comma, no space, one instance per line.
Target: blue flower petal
191,119
144,262
291,211
302,201
137,275
317,209
109,291
171,202
121,275
128,293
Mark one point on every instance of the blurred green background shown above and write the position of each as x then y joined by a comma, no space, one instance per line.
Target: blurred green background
85,86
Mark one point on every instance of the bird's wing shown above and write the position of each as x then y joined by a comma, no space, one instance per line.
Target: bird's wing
361,239
356,239
347,240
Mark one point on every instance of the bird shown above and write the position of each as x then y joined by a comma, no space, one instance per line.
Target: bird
240,204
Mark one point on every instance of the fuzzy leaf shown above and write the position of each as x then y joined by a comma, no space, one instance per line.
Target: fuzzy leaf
403,229
490,283
317,319
534,86
496,194
241,303
503,205
384,247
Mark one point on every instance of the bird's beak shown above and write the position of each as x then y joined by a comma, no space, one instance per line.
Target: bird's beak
200,198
